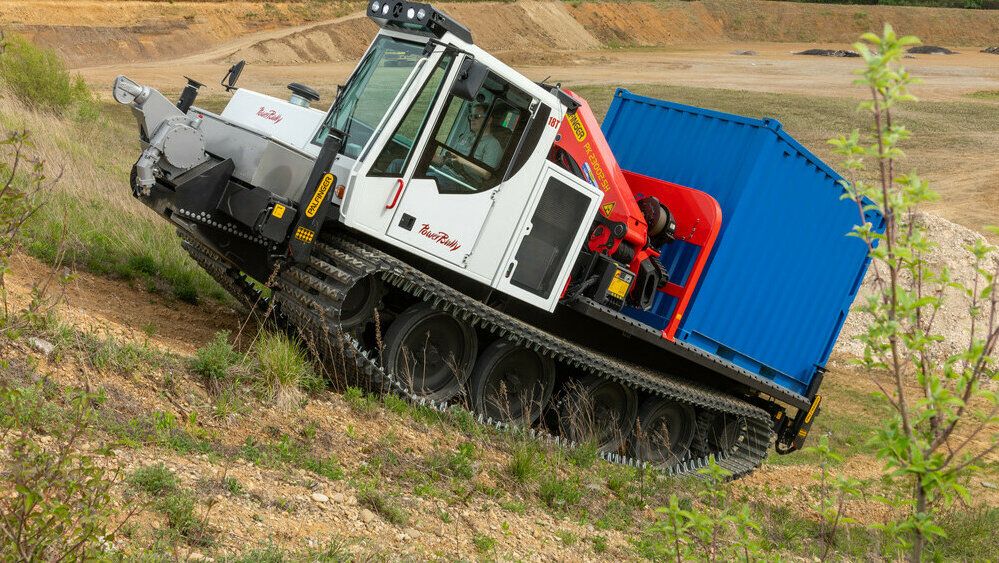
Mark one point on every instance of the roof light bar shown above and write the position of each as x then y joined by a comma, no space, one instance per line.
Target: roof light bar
414,16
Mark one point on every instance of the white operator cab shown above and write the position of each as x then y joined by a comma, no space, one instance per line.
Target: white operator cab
446,157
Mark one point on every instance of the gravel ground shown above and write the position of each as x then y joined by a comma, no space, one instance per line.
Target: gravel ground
953,321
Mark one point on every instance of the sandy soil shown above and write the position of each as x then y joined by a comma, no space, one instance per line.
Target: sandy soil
774,69
104,306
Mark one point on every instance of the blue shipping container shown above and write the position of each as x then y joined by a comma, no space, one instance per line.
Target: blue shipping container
783,273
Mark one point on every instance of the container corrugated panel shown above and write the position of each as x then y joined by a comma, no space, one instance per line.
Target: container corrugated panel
783,273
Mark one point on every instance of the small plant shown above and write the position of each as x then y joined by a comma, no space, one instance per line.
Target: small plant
156,480
939,397
568,538
583,455
325,467
599,544
560,494
483,543
179,510
395,404
215,361
382,505
283,370
358,400
232,485
716,530
834,493
525,462
57,500
459,464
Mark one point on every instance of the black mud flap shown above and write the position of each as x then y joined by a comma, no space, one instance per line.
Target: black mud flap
792,433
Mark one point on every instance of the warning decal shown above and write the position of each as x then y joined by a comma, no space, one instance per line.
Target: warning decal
607,208
317,198
577,127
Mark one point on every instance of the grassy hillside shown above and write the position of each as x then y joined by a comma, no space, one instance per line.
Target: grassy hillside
229,473
216,450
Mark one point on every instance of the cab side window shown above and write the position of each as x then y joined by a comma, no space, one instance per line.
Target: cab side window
395,156
473,142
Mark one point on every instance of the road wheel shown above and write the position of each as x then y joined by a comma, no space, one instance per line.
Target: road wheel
359,304
600,411
665,431
724,432
512,383
430,352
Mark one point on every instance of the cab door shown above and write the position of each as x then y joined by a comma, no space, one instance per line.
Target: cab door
380,172
446,196
552,232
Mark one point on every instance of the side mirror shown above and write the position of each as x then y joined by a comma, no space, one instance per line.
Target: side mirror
469,81
230,78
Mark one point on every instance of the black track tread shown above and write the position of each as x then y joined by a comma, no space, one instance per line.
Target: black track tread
310,298
232,280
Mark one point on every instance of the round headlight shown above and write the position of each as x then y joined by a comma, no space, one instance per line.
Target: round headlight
385,10
410,13
421,13
375,5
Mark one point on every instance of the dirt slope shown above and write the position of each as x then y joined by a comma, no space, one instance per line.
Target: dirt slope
92,32
248,500
750,20
96,304
87,32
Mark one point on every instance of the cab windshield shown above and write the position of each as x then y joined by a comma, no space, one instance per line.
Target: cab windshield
369,92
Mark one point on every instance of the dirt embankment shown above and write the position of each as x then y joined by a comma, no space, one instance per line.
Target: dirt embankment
92,32
750,20
88,33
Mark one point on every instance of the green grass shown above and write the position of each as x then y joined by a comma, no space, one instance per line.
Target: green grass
382,504
39,78
971,534
288,450
483,543
848,433
181,517
991,95
155,480
525,462
972,4
232,485
90,220
282,366
459,464
560,493
215,360
583,455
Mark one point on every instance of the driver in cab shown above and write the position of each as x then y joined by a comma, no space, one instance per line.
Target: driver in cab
488,151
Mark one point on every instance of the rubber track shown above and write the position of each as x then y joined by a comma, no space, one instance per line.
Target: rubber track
310,299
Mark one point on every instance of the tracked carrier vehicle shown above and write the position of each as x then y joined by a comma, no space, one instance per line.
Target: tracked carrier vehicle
451,229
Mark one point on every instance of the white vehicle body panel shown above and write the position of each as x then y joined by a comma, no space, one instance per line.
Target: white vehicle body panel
278,119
